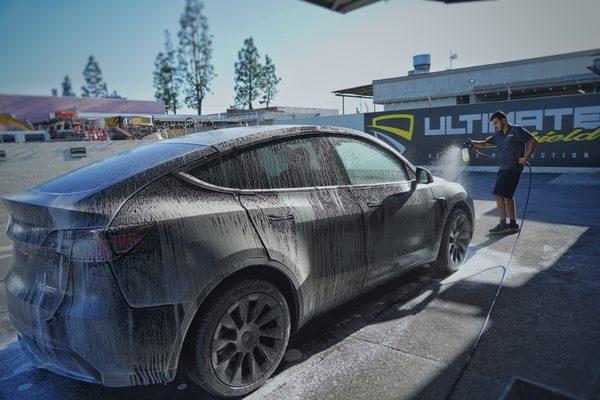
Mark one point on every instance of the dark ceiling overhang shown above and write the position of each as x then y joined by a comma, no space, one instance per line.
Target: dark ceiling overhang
364,91
344,6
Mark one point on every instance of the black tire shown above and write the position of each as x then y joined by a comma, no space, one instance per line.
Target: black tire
455,242
223,352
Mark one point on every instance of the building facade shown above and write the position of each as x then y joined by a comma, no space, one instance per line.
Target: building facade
549,76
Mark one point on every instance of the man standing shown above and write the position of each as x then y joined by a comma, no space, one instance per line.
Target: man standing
515,146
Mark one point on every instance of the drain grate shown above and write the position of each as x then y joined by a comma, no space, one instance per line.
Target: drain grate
524,389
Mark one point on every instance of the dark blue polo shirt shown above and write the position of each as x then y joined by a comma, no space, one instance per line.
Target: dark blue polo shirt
511,146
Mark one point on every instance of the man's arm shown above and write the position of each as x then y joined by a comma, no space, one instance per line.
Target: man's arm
481,144
529,149
531,143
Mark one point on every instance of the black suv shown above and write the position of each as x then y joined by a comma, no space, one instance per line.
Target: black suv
208,250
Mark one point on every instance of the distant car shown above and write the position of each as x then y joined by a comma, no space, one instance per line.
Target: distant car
207,251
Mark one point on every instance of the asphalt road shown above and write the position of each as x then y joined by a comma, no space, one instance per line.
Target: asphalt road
410,338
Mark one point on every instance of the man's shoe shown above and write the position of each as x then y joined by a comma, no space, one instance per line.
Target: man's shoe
514,228
500,229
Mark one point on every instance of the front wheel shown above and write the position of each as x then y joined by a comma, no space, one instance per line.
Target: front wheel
239,340
455,242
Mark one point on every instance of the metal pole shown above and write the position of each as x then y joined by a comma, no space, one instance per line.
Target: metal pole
343,106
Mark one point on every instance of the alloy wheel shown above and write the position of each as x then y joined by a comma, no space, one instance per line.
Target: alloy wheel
458,241
248,339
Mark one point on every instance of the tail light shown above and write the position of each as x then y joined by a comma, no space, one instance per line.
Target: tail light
60,242
90,246
123,239
80,245
94,245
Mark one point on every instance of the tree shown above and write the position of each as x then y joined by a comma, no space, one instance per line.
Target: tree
167,79
66,87
247,75
94,85
195,55
268,82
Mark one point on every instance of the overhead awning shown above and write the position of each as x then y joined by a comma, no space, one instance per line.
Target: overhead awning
364,91
342,6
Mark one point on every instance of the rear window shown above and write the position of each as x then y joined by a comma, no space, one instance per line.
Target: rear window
115,169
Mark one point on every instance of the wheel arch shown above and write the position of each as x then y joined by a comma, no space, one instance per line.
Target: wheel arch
268,270
278,276
466,204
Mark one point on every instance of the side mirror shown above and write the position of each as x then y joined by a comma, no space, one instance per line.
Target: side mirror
423,176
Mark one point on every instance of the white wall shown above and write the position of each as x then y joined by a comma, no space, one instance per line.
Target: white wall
29,164
353,121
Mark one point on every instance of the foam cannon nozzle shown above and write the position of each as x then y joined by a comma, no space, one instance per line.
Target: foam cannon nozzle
465,149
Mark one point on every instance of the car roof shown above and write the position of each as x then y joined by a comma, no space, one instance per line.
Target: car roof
250,134
227,139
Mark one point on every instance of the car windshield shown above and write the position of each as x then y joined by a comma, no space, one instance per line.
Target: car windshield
115,169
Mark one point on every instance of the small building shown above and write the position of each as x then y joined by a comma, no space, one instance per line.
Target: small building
269,115
548,76
427,113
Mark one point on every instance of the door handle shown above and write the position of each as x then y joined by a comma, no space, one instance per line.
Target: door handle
275,218
372,204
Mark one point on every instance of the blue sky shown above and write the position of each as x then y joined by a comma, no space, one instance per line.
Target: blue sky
316,51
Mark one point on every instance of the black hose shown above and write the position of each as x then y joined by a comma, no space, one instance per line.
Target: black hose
505,271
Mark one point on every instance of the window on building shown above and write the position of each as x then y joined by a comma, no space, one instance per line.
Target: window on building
466,99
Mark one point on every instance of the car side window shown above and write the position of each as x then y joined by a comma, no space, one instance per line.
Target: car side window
290,163
366,163
220,171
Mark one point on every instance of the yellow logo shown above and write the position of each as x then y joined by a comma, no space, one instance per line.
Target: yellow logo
577,135
404,133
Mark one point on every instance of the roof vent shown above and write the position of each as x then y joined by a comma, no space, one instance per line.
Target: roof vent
421,63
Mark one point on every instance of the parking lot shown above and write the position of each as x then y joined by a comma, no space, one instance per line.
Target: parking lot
411,337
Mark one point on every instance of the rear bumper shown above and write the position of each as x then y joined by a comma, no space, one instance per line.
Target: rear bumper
59,360
95,336
64,362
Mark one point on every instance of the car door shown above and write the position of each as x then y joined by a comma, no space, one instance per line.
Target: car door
399,213
305,220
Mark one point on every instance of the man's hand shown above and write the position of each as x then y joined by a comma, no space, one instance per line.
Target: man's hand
522,160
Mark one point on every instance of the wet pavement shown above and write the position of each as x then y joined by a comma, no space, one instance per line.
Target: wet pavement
410,338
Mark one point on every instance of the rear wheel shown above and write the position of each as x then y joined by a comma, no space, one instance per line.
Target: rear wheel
455,242
239,340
